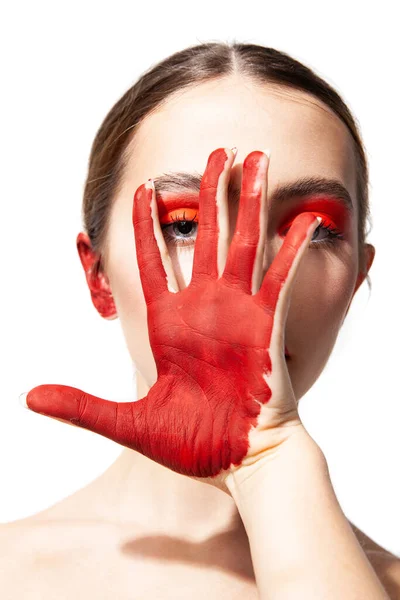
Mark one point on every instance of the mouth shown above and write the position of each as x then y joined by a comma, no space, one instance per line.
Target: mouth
287,355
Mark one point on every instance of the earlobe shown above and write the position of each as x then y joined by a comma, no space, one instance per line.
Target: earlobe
98,284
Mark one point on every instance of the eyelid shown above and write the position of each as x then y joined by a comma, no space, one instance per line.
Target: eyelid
183,214
182,201
328,208
332,208
326,218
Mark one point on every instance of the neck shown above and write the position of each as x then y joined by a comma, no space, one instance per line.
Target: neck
137,490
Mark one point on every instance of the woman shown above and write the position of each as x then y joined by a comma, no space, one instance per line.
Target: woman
220,373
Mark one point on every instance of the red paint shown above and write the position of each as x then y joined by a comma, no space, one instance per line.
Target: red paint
167,204
330,210
210,341
171,216
99,288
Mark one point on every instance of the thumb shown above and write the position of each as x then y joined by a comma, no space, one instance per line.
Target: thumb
117,421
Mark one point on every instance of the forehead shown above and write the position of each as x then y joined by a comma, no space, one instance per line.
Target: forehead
305,137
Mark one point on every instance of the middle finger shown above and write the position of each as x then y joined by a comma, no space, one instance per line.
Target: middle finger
245,258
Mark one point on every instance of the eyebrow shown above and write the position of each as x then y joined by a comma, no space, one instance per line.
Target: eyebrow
181,181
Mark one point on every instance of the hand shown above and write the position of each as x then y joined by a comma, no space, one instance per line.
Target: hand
223,398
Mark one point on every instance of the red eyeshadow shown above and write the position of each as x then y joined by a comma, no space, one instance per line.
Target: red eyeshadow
180,201
325,207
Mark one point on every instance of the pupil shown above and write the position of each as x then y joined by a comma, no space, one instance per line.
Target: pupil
185,226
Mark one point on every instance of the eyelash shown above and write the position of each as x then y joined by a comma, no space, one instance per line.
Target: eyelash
334,234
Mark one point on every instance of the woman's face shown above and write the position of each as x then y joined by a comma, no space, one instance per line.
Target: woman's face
306,141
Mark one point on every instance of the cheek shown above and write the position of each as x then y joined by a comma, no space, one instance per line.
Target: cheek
326,283
131,306
182,263
126,286
320,298
124,276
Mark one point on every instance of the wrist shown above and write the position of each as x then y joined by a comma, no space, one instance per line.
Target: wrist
300,540
298,451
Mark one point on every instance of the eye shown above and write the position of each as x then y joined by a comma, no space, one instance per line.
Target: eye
183,231
333,235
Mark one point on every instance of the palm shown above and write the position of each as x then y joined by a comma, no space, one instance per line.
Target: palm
223,393
209,376
213,324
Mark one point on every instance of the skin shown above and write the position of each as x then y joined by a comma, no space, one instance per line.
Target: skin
223,397
305,139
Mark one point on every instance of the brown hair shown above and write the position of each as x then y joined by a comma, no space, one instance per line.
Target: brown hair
194,65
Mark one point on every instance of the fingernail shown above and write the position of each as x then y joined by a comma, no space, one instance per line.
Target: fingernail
267,152
319,219
234,150
150,185
22,400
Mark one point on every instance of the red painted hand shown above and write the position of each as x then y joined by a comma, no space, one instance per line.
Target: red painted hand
223,397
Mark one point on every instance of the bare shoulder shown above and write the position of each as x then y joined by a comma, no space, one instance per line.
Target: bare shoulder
15,542
385,564
33,539
48,560
36,555
368,544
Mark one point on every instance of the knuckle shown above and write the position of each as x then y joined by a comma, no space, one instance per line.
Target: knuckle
276,276
83,402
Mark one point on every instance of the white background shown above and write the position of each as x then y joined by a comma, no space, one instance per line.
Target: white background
63,67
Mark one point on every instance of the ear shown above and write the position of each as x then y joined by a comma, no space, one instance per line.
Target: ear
369,251
97,281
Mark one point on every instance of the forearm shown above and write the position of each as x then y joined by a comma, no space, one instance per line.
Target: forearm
302,545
